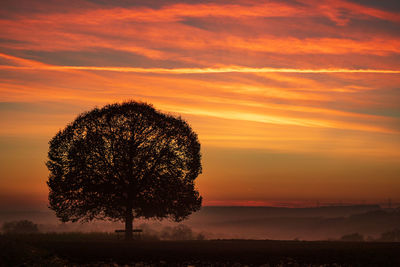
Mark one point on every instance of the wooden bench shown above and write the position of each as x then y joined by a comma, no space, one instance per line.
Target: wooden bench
137,233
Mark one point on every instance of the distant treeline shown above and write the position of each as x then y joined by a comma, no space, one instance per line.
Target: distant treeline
323,223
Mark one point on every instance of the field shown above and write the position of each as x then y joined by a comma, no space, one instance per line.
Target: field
105,250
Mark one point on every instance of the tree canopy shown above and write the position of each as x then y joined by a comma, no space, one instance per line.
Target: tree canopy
124,161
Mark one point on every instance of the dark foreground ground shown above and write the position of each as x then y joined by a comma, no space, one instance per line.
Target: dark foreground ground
67,250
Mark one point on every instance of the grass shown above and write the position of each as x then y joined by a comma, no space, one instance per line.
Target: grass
96,248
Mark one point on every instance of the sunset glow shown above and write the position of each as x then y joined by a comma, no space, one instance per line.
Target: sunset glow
293,101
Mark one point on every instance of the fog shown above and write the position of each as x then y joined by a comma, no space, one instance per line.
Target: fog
319,223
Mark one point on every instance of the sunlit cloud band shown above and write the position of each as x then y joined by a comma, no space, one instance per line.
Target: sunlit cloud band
230,69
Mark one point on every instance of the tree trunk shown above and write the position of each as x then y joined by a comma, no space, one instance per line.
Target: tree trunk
129,223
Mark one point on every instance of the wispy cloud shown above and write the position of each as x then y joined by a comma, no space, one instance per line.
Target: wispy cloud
290,77
34,65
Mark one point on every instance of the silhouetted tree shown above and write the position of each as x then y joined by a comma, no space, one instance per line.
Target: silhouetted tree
20,227
179,232
391,236
352,237
121,162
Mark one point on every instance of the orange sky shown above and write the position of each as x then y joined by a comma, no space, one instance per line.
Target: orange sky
293,101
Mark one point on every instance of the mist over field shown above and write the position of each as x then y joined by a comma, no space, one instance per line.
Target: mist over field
213,222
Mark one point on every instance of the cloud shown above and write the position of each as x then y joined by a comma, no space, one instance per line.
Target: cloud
162,34
293,77
35,65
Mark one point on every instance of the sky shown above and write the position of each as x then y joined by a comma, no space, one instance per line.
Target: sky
294,102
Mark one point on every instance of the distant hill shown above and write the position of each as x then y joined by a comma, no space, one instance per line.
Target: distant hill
318,223
220,213
243,212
